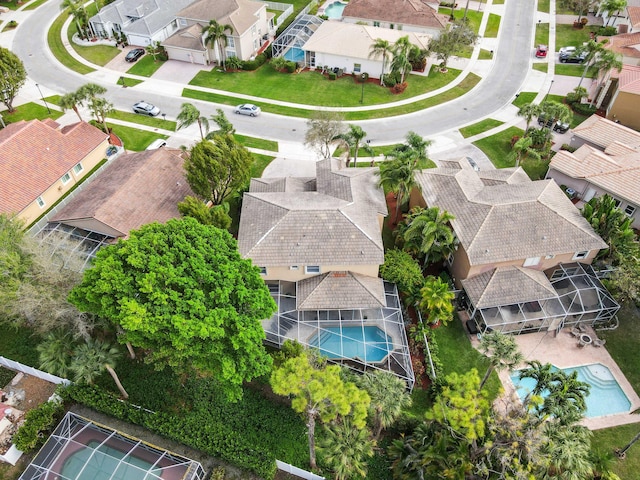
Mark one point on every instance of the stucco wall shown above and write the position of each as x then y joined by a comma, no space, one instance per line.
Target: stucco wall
624,107
285,273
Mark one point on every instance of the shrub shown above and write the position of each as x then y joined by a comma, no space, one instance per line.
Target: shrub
568,148
38,423
332,76
12,24
606,31
402,269
234,63
268,52
290,67
399,88
584,109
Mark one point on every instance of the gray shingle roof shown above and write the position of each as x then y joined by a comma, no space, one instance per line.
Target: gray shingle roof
240,14
188,37
340,290
507,286
501,221
281,226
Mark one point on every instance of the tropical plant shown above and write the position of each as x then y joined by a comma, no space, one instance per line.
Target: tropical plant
398,176
568,453
611,7
413,150
605,63
189,115
72,101
523,148
389,398
215,36
402,269
91,358
592,50
613,226
528,111
352,138
400,63
428,234
581,7
318,392
345,449
12,77
79,14
381,48
435,300
554,112
55,352
154,49
224,125
502,352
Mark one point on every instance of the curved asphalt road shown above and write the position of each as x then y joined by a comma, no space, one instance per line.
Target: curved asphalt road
496,90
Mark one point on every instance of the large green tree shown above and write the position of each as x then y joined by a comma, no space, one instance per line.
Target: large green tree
215,36
381,48
12,77
612,225
502,352
322,129
181,292
428,234
318,391
435,300
402,269
451,42
345,449
217,168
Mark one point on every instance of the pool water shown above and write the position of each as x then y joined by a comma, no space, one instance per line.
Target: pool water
105,464
335,10
294,54
605,396
369,344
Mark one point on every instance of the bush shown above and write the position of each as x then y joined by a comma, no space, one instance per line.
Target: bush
12,24
290,67
399,88
567,147
268,52
402,269
362,77
255,63
38,424
606,31
584,109
332,76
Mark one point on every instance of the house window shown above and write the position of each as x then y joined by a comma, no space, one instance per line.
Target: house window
531,261
616,202
312,269
183,22
293,267
376,24
630,210
40,202
253,30
391,26
66,178
357,67
580,255
231,43
78,168
263,270
549,257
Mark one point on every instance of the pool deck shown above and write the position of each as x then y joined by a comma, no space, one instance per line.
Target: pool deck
563,352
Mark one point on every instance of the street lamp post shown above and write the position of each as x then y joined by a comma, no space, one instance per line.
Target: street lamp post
363,78
42,97
549,91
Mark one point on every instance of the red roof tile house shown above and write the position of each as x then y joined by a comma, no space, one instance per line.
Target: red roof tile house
618,94
40,162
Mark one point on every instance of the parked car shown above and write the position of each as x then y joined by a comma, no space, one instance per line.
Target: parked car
248,109
572,55
558,127
473,164
541,51
157,143
134,55
144,108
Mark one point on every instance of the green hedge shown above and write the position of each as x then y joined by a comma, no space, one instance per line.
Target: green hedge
38,424
251,433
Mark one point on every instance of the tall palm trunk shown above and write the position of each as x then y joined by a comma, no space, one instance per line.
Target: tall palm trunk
114,375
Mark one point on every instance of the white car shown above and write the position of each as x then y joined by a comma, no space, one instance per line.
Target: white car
247,109
145,108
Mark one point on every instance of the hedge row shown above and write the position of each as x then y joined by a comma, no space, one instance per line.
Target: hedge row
248,434
38,424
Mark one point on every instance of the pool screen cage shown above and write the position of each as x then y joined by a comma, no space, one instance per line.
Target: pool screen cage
296,34
135,459
580,298
388,349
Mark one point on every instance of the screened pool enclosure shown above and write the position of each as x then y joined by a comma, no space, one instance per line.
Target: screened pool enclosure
362,339
290,42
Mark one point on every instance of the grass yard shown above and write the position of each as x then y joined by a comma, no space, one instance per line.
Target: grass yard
13,5
541,67
566,36
29,111
574,70
482,126
253,142
485,54
96,54
493,25
543,5
524,98
143,120
542,35
54,39
145,67
497,147
34,5
134,139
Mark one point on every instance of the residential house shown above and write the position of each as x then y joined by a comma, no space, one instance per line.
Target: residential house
142,22
627,45
524,249
408,15
250,22
318,244
618,94
595,169
133,190
40,162
327,47
633,18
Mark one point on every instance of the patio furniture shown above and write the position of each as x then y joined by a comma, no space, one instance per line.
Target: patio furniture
575,332
599,343
583,328
584,340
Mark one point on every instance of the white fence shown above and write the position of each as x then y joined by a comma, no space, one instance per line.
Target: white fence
285,8
34,372
298,472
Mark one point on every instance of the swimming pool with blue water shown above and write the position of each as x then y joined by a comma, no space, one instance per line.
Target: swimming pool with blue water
368,343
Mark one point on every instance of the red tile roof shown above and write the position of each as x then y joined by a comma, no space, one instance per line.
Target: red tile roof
629,79
634,17
407,12
625,44
35,154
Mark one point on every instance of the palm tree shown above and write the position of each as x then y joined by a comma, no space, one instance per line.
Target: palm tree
381,48
388,398
606,62
622,452
612,224
555,112
593,49
400,62
353,137
528,111
398,176
56,351
611,6
435,300
79,14
523,148
189,115
429,233
541,373
91,359
567,451
346,449
502,352
216,36
566,401
72,101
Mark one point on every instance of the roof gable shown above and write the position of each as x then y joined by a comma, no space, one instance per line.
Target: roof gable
408,12
340,290
602,132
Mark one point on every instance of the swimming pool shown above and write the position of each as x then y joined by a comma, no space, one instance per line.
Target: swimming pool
369,344
334,10
294,54
605,396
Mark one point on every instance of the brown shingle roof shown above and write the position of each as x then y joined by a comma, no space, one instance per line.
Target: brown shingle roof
335,225
507,286
188,37
602,132
240,14
510,220
133,190
336,290
34,155
406,12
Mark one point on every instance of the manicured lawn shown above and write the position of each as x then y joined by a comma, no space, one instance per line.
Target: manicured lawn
143,120
541,67
498,146
524,98
54,39
566,36
574,70
608,439
133,138
482,126
265,82
29,111
485,54
543,5
13,5
493,25
128,81
18,344
146,66
34,5
260,162
253,142
96,54
474,17
542,35
467,84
